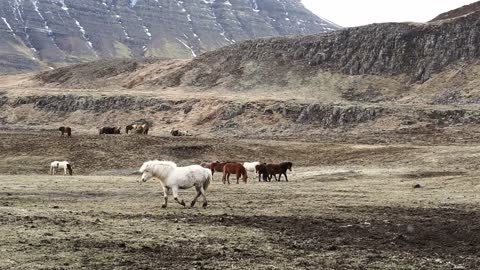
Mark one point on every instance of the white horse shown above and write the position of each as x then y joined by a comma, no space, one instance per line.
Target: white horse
250,166
174,178
65,165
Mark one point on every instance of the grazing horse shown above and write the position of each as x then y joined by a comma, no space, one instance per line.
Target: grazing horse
261,169
274,169
175,178
179,133
139,129
109,130
67,130
250,166
65,165
234,168
217,166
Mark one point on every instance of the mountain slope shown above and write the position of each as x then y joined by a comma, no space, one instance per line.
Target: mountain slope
414,51
462,11
36,33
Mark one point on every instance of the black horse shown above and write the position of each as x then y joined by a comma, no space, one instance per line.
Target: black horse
261,169
274,169
109,130
67,130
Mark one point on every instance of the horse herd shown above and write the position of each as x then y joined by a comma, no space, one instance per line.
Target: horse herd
133,128
173,178
265,171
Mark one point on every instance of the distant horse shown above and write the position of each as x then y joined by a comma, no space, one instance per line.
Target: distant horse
217,166
109,130
175,178
261,169
234,168
139,129
67,130
179,133
250,166
274,169
65,165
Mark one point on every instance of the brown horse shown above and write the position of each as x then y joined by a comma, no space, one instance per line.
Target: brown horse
217,166
261,169
234,168
109,130
274,169
67,130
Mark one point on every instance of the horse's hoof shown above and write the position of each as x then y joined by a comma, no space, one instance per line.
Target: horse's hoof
183,203
164,206
192,204
204,204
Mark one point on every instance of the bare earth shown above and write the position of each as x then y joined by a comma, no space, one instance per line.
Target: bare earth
346,206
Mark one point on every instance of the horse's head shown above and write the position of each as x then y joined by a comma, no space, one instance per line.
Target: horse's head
146,172
61,128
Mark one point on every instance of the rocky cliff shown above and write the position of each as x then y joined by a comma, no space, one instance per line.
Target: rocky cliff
47,33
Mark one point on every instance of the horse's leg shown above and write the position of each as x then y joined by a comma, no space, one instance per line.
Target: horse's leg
228,178
238,176
279,176
202,190
175,196
286,179
199,193
165,197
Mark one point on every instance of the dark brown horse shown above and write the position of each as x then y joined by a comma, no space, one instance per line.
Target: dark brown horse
261,169
274,169
234,168
109,130
67,130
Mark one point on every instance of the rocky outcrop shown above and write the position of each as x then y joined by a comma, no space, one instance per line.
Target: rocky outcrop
220,114
40,33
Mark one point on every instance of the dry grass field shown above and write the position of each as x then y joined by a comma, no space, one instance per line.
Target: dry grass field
347,206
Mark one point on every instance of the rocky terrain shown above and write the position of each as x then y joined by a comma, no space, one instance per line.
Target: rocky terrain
37,34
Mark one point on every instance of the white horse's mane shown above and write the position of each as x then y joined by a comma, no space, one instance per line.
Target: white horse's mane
150,163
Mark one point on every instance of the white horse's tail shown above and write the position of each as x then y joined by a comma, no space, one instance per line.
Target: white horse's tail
209,179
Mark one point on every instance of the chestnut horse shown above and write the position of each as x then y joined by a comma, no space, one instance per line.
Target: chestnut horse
217,166
67,130
234,168
261,169
274,169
